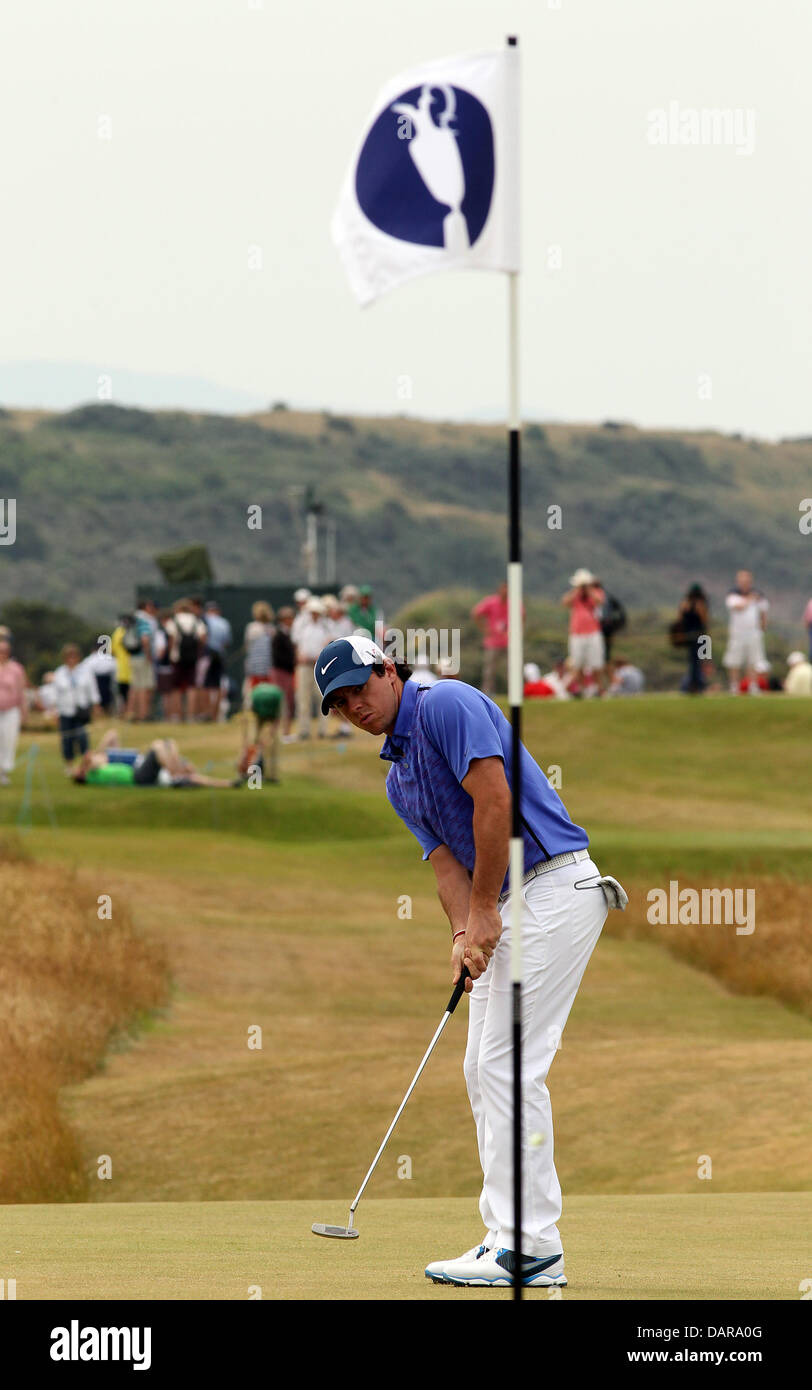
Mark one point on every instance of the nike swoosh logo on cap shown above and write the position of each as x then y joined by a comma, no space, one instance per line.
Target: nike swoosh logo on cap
329,664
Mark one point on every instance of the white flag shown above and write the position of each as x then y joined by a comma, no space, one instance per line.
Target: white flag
434,183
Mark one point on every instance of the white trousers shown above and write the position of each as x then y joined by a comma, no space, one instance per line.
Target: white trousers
306,692
9,733
560,926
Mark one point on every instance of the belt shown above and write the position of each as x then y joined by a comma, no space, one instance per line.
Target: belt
572,856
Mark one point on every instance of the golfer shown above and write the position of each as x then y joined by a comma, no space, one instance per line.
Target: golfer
449,749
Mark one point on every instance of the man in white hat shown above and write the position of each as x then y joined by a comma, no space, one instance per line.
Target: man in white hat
336,620
587,652
302,616
313,635
799,675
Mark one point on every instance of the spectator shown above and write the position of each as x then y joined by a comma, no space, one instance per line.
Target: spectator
799,675
808,621
491,617
12,708
553,684
693,625
364,616
103,666
747,608
283,669
164,670
625,679
765,681
187,635
337,622
257,640
585,600
77,696
422,673
45,697
220,639
261,742
302,618
161,766
196,697
142,669
123,658
613,619
312,638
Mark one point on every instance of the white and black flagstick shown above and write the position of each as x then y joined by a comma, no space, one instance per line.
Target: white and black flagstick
515,690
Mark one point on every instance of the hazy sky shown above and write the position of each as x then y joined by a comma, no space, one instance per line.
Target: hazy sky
232,123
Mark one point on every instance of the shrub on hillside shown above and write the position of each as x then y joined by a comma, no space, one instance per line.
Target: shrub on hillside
39,632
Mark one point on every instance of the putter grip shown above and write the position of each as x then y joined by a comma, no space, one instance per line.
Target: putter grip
459,990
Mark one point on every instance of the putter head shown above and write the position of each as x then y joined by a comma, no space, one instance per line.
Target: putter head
337,1232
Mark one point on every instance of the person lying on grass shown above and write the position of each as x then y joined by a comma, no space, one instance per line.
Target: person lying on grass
162,765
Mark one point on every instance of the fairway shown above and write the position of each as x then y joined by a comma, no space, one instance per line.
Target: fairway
278,909
734,1246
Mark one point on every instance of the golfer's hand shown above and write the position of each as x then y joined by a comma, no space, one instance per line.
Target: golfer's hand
481,938
457,963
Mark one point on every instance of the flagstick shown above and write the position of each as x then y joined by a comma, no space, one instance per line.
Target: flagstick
515,688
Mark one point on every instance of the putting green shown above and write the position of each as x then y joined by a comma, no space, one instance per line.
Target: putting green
698,1247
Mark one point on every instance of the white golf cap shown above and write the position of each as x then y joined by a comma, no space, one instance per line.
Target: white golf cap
301,595
315,605
581,577
795,658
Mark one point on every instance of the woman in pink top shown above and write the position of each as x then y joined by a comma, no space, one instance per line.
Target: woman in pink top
491,617
12,708
587,653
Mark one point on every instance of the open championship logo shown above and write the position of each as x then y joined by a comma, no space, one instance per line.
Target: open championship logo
426,170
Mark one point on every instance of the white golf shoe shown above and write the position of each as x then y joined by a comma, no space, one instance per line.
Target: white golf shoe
440,1270
495,1268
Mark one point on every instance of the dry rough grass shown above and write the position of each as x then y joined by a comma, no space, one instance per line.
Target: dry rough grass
69,982
774,960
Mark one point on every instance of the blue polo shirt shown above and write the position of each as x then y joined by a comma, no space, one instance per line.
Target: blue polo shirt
439,731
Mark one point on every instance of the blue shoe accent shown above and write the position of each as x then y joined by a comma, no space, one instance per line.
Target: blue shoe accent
532,1266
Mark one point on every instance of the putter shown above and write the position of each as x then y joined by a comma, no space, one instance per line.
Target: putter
348,1232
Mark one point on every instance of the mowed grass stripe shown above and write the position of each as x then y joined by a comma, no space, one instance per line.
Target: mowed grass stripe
706,1247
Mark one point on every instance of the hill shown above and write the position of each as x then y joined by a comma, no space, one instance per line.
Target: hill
419,505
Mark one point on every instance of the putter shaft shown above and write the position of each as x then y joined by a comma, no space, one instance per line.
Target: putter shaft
459,990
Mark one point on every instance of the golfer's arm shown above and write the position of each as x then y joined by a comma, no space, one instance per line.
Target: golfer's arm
487,786
453,886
